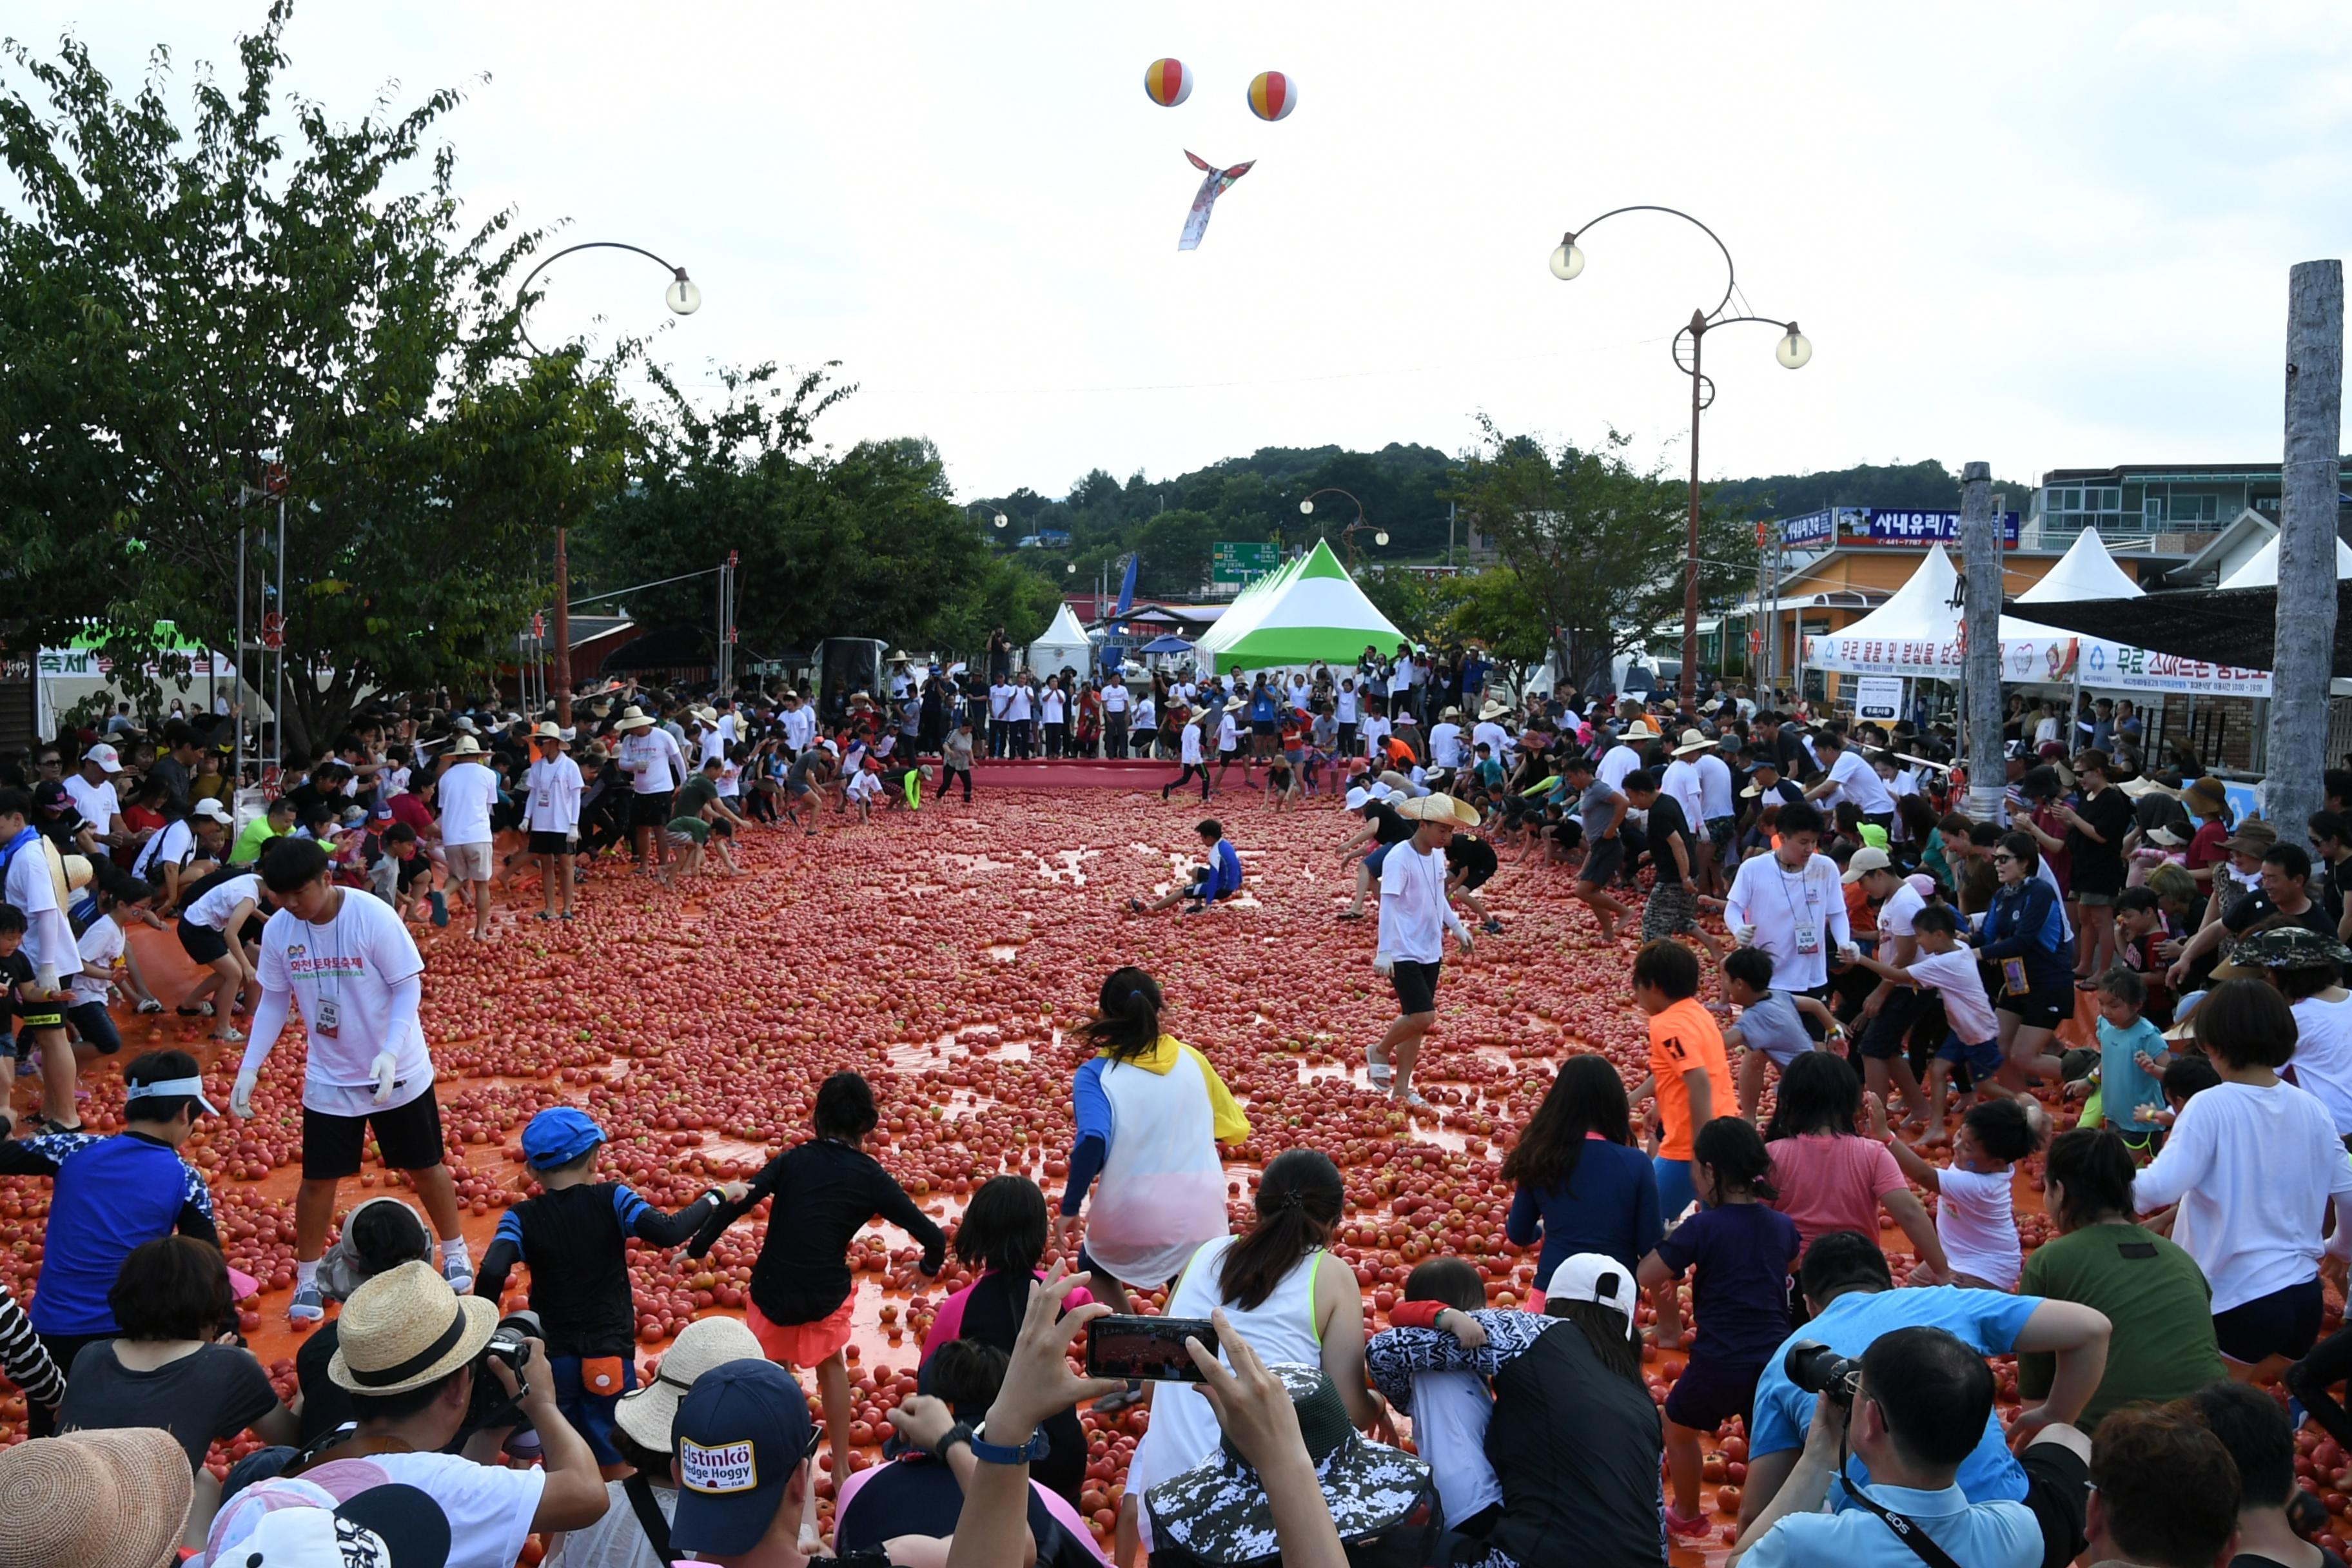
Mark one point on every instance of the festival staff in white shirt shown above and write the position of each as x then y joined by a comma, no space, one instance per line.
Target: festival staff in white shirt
466,792
1791,904
51,949
650,756
1850,777
1415,915
552,787
347,962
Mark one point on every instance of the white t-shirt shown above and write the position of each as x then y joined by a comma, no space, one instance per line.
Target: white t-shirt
1450,1413
1229,736
1976,1219
1051,706
800,727
1188,745
489,1507
1618,761
49,935
98,803
1894,916
2323,1055
101,948
174,844
1374,730
352,961
1792,912
214,908
466,792
1345,708
663,765
1715,787
552,795
1114,697
1680,781
1445,743
1858,782
617,1539
1017,705
1955,978
1494,737
2254,1171
1144,714
1415,914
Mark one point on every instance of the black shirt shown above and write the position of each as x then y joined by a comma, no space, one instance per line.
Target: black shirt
2098,867
919,1495
575,1242
1668,821
1470,852
825,1193
1393,829
214,1392
2256,907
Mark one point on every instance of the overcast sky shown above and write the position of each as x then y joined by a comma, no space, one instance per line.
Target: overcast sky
2046,236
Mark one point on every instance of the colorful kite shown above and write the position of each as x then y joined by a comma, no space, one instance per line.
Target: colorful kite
1168,83
1219,180
1272,95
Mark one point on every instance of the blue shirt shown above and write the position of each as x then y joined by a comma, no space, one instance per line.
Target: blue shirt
2127,1095
2026,922
1739,1291
1610,1207
1773,1025
1981,1535
1227,867
1987,1320
111,1196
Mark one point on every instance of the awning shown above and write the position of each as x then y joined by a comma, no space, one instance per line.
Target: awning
2225,637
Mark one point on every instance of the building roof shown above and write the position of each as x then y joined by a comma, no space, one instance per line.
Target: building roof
2143,473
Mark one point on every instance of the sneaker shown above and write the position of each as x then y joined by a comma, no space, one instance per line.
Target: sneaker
1692,1524
1491,927
459,1272
440,907
307,1306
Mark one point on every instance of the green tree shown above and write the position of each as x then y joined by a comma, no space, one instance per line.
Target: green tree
1597,544
863,542
1494,609
181,308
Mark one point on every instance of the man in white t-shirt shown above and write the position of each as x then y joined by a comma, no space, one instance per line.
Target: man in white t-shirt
1445,740
346,961
552,791
1890,1011
1019,714
1717,799
1850,777
1788,904
1115,705
1000,704
49,947
91,785
1488,732
407,1352
466,791
799,723
656,767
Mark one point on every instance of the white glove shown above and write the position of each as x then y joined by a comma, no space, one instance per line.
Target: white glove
383,1066
45,979
1847,952
1742,935
240,1099
1384,966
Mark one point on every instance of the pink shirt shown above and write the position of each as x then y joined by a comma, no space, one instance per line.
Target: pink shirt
1828,1182
947,1324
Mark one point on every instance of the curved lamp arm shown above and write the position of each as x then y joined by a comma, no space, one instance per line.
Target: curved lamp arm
682,296
1307,505
1569,260
994,515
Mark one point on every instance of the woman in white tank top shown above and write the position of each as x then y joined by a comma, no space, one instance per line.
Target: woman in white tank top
1283,1293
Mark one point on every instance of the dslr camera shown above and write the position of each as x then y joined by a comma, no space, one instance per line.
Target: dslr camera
1817,1369
492,1405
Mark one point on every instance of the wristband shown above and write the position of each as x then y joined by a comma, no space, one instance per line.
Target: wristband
988,1453
958,1432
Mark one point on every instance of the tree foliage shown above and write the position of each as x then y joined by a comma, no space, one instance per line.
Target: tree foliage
179,308
1595,543
863,543
1494,609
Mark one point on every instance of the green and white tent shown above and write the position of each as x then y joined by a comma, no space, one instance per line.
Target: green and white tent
1311,609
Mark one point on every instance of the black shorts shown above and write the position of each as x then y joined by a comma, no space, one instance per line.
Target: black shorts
1889,1034
1415,985
1476,878
550,842
1603,858
1264,727
2284,1322
202,942
407,1138
2044,1007
652,810
1706,1396
2058,1495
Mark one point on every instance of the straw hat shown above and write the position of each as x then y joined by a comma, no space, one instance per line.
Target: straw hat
708,715
465,746
405,1328
1640,729
645,1413
546,733
1694,741
1440,808
2253,837
633,718
118,1496
1494,710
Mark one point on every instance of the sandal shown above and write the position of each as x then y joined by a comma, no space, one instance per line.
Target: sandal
1352,914
201,1010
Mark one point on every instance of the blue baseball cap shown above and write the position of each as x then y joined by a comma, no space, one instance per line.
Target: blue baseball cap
559,1135
739,1435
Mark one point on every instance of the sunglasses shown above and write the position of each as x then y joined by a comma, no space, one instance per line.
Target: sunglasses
1999,857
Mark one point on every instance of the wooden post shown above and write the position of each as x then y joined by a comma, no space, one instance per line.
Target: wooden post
2306,565
1981,665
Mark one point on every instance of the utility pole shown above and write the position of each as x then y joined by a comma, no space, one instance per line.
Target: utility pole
562,621
1980,626
2304,659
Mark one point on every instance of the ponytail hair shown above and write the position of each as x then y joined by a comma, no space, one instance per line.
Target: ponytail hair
1298,1202
1732,1148
1127,1014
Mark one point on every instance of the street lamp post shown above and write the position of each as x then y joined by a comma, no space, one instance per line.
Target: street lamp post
1348,534
995,516
684,298
1792,352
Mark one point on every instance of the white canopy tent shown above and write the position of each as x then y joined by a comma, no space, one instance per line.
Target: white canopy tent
2261,570
1063,647
2088,571
2085,571
1916,632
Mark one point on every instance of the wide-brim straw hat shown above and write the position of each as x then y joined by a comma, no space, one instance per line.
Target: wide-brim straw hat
1692,741
465,746
633,718
116,1497
1640,729
405,1328
1494,711
546,733
2207,792
647,1412
1440,808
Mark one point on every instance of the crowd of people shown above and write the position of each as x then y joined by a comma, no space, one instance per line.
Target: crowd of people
1853,994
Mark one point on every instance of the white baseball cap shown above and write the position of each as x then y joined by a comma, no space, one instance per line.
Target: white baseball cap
209,807
105,756
1593,1276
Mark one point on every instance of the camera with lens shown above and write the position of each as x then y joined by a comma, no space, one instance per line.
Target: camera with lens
492,1405
1817,1369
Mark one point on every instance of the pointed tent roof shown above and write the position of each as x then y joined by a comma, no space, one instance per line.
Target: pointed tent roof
2261,570
2085,571
1064,642
1311,609
1921,608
